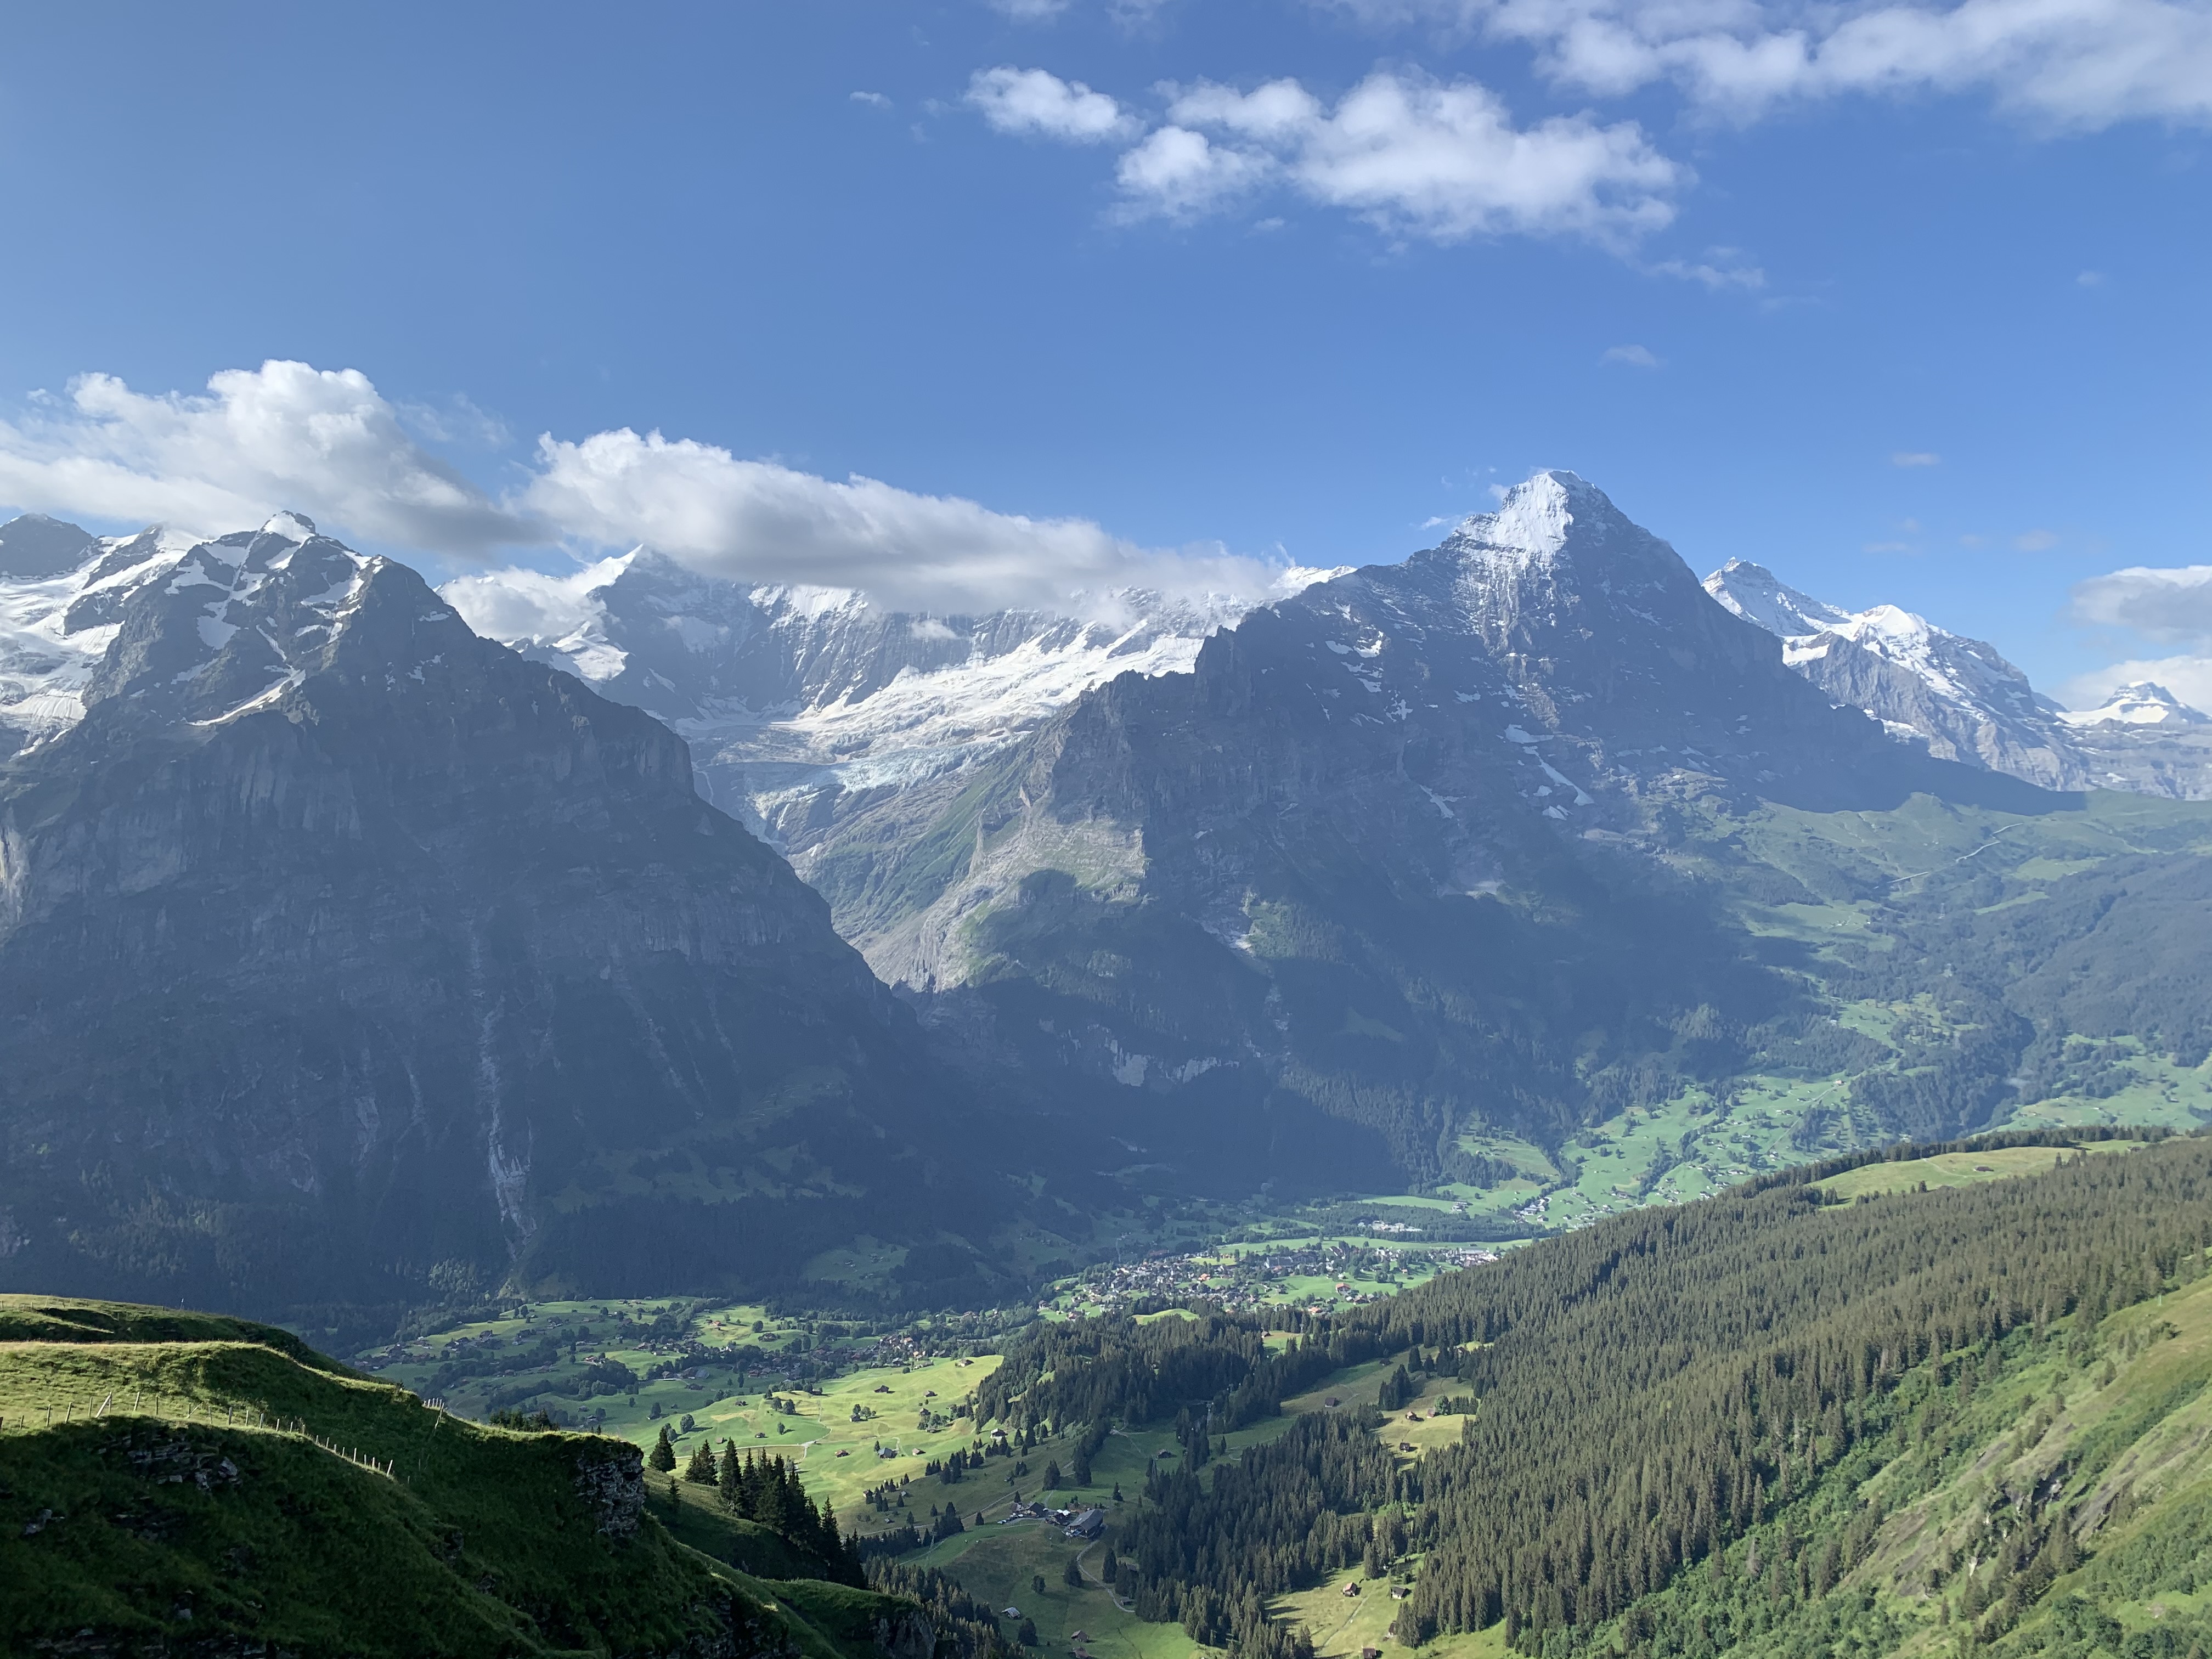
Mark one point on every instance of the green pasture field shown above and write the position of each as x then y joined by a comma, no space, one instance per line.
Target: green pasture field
1961,1169
1340,1625
332,1513
1001,1565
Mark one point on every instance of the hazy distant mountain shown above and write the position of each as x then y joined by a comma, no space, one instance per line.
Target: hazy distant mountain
1962,701
2141,704
346,956
798,701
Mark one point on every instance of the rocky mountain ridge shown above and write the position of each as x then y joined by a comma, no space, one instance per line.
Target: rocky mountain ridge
1959,699
798,701
1394,852
349,957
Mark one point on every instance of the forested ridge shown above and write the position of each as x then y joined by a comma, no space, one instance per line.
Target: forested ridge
1645,1393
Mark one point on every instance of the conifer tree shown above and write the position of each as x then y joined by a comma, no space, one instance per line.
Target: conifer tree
702,1466
662,1457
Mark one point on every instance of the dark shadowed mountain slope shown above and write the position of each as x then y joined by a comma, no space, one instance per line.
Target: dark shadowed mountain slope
1397,852
347,957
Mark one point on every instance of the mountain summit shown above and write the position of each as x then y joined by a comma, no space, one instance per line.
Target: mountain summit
366,963
1960,700
1386,862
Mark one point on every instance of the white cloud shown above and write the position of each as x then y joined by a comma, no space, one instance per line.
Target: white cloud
2188,678
1416,156
328,444
1721,267
518,604
1915,458
756,521
2165,604
1176,173
457,421
2036,541
1029,11
1036,101
2090,279
873,99
284,435
1635,357
2083,64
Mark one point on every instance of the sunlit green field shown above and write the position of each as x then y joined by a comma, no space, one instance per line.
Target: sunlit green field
1963,1168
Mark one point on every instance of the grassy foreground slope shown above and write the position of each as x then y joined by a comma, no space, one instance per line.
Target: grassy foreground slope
174,1482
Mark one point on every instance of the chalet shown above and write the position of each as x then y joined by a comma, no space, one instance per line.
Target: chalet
1087,1523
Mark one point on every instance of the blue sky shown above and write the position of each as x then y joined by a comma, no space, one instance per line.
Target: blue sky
1908,302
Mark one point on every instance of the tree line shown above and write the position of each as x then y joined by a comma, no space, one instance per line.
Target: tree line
1639,1396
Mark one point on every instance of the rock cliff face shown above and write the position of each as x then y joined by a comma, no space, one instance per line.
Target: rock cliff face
831,727
1392,859
348,958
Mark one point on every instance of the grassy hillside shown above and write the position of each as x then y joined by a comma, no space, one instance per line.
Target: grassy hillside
1913,1406
2065,1509
167,1477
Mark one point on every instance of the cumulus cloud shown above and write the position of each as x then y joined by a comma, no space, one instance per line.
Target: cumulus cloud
1038,103
283,435
2165,604
756,521
534,605
1415,156
1177,174
2081,63
329,444
1635,357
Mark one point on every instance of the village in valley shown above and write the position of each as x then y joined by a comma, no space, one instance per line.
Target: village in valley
877,1417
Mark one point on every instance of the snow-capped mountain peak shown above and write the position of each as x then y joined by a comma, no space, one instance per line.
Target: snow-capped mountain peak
2143,703
1756,595
1962,701
62,591
1537,517
789,694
